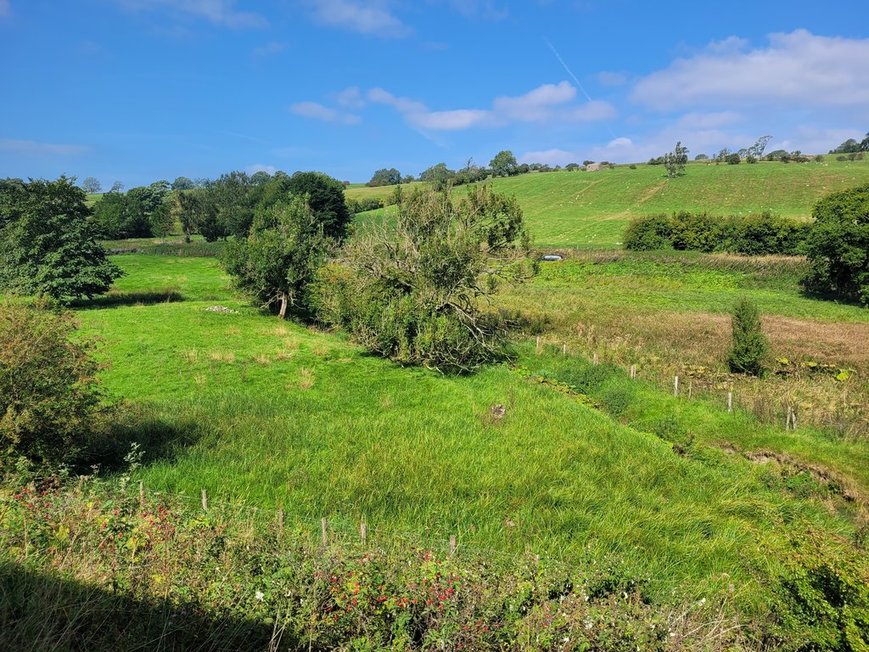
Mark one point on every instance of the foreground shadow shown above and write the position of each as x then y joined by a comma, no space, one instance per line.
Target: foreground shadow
130,424
43,612
118,299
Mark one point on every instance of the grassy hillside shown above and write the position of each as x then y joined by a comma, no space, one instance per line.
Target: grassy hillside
591,209
271,413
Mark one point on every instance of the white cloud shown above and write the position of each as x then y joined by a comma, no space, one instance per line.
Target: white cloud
269,49
350,98
34,148
543,104
798,67
608,78
218,12
455,120
5,8
709,120
534,105
486,9
373,17
318,111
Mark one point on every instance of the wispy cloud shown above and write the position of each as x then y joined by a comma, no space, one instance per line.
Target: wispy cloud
259,167
480,9
35,148
5,8
373,18
350,98
268,50
317,111
799,67
217,12
546,103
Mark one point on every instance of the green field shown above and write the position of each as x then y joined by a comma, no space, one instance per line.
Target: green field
592,209
273,414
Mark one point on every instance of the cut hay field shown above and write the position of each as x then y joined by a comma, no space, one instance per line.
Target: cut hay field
270,414
592,209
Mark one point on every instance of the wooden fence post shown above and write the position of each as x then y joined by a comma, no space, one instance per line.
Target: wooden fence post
676,386
537,348
594,359
633,371
324,531
363,531
280,519
204,501
141,495
452,544
730,401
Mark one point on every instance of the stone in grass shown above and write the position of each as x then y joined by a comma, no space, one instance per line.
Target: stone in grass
222,310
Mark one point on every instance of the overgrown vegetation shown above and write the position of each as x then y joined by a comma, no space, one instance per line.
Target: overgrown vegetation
48,391
412,292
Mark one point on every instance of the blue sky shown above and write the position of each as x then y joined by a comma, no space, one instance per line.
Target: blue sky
139,90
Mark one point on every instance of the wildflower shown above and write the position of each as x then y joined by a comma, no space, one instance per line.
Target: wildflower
260,596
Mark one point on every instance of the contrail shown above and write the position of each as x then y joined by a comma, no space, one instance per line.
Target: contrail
575,79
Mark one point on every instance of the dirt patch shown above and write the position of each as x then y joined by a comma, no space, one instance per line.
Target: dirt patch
832,481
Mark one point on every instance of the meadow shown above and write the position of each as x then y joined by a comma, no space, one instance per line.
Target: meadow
269,414
592,209
556,454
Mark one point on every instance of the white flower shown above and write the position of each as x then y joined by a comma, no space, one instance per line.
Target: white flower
260,596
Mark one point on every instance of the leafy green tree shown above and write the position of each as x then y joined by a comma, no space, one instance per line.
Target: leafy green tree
325,197
413,291
280,257
117,186
47,244
850,146
749,345
183,183
837,246
504,164
675,161
48,391
385,177
91,185
864,144
439,175
191,210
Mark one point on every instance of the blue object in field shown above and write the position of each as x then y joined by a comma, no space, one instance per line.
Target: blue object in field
551,258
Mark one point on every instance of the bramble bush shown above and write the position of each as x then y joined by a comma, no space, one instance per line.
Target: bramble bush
48,391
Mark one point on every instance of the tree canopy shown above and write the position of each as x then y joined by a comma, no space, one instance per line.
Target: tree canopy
385,177
47,244
504,164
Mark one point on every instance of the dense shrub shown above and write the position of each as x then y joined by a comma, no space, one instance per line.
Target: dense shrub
759,234
280,257
837,246
410,291
48,394
749,345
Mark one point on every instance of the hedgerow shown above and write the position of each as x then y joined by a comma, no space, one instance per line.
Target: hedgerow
752,235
